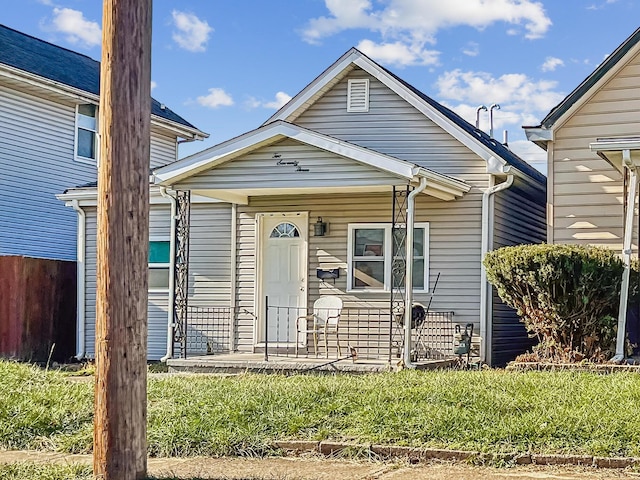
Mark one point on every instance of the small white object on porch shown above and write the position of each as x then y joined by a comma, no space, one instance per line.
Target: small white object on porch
624,155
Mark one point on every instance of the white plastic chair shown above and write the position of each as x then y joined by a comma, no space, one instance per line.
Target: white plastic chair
324,319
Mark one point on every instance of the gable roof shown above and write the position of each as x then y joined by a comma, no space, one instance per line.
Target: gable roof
48,61
588,83
440,185
498,157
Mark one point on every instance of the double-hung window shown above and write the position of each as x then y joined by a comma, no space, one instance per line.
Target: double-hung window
159,265
86,132
376,259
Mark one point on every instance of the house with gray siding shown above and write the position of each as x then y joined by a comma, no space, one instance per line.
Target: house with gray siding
323,198
49,99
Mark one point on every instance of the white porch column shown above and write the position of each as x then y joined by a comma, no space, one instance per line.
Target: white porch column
626,255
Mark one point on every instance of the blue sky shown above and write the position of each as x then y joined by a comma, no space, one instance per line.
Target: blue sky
227,65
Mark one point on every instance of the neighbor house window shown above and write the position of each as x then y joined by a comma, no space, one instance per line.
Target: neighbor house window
376,258
159,265
86,132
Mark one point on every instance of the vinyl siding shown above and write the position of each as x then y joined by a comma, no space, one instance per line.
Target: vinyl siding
37,138
36,163
519,218
159,226
587,194
324,169
454,251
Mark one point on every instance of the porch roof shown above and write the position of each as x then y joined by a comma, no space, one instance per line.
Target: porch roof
397,171
618,151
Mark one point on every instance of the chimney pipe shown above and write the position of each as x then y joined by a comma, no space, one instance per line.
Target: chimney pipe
491,108
481,107
505,139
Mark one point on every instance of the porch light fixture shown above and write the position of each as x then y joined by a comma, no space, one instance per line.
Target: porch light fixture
319,228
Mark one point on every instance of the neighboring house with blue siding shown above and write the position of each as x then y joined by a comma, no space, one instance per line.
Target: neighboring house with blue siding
48,121
317,197
49,99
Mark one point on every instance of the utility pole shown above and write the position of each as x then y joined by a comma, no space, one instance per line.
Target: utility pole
119,439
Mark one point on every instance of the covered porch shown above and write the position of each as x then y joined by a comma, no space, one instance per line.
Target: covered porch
296,240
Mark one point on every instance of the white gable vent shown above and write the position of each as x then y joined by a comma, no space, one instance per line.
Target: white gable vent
358,95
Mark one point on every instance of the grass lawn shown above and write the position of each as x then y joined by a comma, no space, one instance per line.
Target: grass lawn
491,411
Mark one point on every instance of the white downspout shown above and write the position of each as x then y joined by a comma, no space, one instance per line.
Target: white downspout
626,256
408,278
172,267
486,245
80,274
234,273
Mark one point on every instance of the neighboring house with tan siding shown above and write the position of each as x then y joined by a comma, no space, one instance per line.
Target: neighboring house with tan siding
316,197
585,193
592,139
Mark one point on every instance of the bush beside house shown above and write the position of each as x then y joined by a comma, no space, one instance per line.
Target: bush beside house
566,295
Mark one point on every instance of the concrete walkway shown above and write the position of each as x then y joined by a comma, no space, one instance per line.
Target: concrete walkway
318,468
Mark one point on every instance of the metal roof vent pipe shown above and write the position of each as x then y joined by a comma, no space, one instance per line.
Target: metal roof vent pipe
478,110
491,108
505,138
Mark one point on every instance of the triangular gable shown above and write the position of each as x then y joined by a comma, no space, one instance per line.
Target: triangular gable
589,86
272,133
497,157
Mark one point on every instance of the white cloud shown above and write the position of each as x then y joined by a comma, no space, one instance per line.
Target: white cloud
472,49
153,84
192,34
551,63
398,53
523,101
418,21
280,100
217,97
77,29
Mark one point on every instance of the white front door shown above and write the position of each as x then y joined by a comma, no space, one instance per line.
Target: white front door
283,273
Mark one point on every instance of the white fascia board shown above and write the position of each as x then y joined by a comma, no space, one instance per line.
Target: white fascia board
58,88
82,96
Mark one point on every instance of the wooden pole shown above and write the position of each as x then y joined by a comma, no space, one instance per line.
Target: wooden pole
119,441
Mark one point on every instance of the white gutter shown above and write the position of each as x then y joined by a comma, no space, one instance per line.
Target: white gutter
172,268
408,278
80,273
486,245
626,256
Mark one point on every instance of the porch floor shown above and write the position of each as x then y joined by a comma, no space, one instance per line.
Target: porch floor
255,362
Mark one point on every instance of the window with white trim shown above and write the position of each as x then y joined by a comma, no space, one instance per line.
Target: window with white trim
373,255
87,132
159,265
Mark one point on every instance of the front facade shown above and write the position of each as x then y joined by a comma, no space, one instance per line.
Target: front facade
318,194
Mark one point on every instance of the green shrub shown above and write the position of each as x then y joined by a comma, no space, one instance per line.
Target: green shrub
566,295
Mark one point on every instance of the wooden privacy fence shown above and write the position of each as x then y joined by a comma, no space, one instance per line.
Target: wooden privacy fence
37,308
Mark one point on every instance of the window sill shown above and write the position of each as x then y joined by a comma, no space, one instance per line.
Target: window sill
86,161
